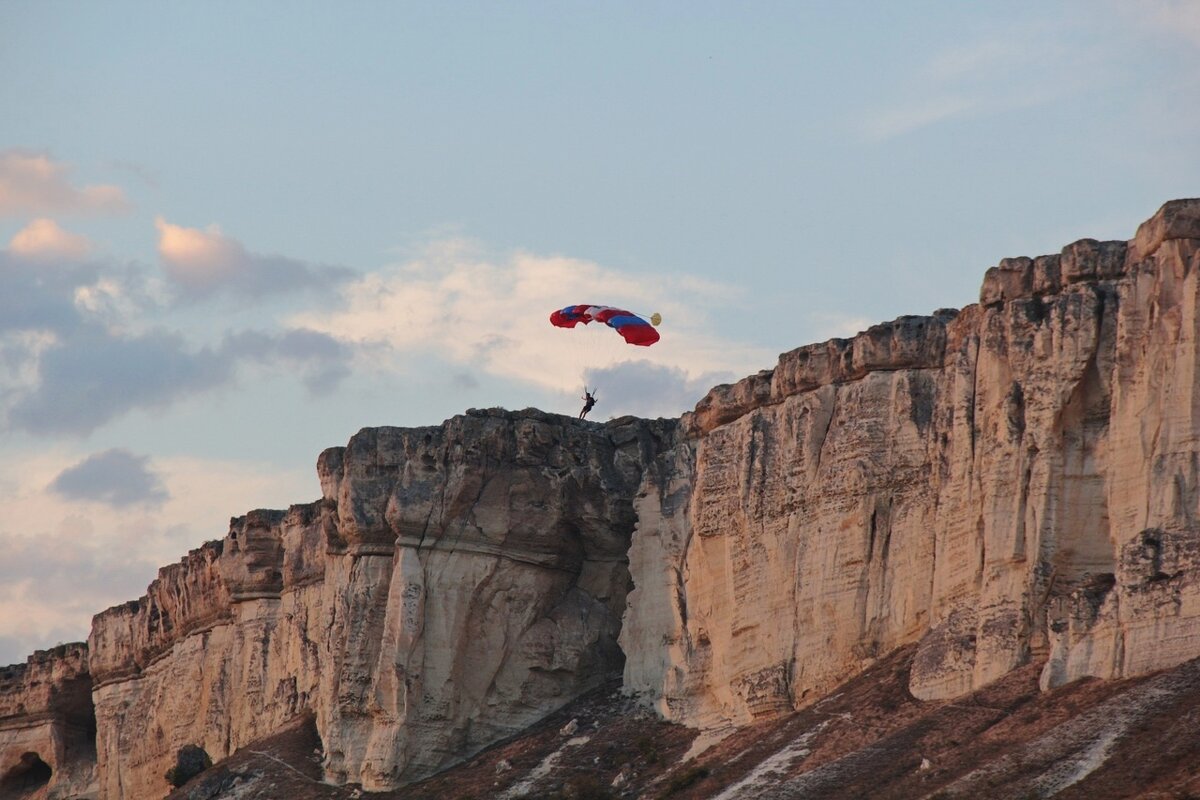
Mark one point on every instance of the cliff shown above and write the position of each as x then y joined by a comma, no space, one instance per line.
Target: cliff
1007,485
47,726
453,585
1013,481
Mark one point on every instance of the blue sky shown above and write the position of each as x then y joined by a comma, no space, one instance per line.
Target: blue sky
233,234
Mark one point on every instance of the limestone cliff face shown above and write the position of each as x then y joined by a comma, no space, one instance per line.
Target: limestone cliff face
47,727
480,580
1015,479
220,652
454,584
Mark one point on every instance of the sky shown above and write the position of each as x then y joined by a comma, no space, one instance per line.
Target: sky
233,234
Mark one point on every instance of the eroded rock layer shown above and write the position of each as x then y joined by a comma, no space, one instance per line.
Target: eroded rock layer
1015,479
47,726
1015,482
454,584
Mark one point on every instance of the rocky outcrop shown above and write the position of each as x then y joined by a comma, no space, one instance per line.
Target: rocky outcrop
1009,484
454,584
1014,480
480,582
220,652
47,726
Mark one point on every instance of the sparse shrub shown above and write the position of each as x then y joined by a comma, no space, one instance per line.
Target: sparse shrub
190,761
647,748
685,780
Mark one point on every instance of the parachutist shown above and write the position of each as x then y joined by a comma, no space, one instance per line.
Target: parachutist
633,329
589,400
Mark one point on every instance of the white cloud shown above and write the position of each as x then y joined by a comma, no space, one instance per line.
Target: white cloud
43,240
108,301
493,316
899,120
33,183
79,344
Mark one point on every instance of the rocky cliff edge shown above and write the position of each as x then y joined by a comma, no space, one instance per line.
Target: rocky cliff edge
1012,483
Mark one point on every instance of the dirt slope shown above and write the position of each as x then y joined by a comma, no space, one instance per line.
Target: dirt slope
1090,739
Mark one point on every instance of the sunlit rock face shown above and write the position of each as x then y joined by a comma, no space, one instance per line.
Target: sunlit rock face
454,584
47,727
1014,480
221,651
479,582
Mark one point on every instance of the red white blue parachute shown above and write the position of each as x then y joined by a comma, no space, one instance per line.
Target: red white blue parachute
633,328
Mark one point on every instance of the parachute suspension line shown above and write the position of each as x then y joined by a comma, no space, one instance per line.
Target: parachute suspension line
654,319
599,343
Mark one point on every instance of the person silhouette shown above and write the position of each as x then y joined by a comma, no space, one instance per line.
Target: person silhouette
589,400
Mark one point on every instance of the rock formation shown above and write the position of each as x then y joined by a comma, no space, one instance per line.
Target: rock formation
453,585
1012,483
47,726
1014,480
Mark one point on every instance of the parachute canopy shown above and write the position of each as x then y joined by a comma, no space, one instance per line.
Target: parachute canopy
633,328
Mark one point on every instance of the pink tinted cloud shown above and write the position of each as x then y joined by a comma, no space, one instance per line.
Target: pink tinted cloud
203,262
44,240
33,183
198,259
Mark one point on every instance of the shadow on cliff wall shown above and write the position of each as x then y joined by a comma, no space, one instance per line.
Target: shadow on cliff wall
26,778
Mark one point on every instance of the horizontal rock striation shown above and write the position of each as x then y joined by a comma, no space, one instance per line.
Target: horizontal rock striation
454,584
47,726
1015,480
478,584
221,651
